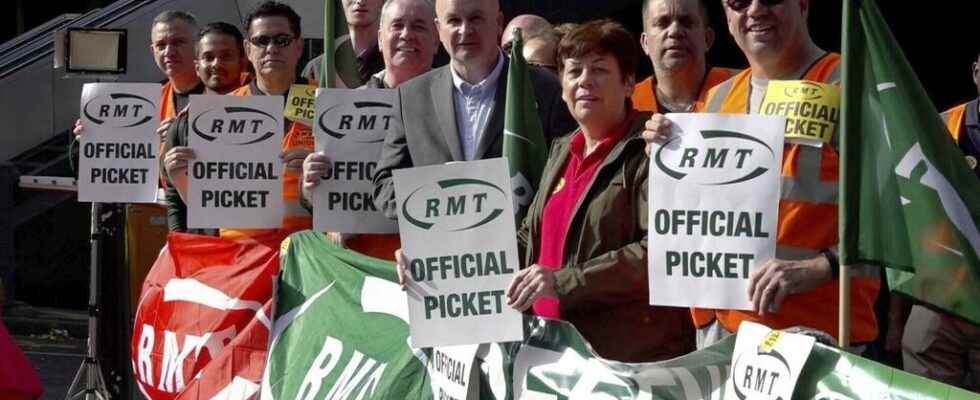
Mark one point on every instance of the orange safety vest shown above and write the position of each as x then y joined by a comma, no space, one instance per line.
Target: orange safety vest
295,218
954,118
807,224
645,97
167,110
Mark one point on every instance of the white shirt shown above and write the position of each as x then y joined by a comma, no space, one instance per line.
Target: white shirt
473,106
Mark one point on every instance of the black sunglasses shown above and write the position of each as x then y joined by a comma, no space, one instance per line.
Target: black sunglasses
279,41
741,5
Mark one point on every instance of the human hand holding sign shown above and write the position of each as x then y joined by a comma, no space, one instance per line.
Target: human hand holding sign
776,279
401,263
175,163
656,130
293,158
530,284
315,167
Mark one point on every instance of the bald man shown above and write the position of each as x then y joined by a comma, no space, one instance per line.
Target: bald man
456,112
531,26
540,51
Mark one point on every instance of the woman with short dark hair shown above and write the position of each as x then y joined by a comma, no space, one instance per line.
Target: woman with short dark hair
584,237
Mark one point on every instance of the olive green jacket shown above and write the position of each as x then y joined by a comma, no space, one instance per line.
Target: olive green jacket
603,286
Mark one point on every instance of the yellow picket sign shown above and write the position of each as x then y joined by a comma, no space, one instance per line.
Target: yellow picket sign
812,109
300,104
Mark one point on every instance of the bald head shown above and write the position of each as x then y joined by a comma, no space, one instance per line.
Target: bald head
540,50
468,30
531,25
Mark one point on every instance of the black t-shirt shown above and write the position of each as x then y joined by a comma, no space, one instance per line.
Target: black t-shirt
181,100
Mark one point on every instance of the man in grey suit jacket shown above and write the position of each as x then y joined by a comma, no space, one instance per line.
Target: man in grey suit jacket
456,112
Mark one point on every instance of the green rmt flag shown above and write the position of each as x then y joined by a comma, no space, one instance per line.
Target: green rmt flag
524,143
908,200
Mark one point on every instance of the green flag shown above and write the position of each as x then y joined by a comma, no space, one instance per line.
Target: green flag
340,332
908,200
328,69
341,328
524,143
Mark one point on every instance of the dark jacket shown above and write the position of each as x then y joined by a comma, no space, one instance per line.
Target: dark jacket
603,286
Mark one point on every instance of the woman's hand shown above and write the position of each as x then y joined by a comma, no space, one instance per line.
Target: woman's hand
530,284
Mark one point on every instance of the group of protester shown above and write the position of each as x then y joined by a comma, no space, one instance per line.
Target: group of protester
584,239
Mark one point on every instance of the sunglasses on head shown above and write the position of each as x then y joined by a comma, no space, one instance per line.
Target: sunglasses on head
280,41
740,5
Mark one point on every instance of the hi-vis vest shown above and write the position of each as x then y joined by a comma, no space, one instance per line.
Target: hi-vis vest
807,224
167,110
167,106
645,97
295,217
954,119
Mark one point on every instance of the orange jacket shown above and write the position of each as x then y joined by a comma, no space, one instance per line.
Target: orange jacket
807,224
295,218
954,118
645,97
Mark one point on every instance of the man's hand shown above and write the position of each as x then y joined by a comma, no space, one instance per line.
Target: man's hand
175,161
656,130
769,285
175,164
401,264
164,126
315,167
78,129
528,285
293,159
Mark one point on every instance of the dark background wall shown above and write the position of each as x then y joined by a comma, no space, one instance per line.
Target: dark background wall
939,37
939,41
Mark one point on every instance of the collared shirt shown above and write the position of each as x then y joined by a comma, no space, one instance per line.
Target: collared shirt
474,102
559,209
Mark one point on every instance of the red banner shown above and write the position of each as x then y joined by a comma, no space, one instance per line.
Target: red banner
202,324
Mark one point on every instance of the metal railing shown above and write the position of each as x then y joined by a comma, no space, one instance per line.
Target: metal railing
38,43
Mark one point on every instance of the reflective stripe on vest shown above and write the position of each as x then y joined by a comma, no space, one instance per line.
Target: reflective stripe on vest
807,223
953,118
644,96
295,217
167,111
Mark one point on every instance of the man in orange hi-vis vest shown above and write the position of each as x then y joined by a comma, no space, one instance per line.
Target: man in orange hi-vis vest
799,288
172,45
273,45
676,36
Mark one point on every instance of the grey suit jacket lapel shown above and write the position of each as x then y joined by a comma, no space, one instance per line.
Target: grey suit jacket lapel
445,108
494,129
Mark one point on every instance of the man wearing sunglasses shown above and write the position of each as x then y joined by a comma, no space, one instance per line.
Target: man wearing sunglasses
541,51
356,54
799,288
273,45
676,36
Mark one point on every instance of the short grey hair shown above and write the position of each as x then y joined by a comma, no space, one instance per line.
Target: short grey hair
430,5
169,16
